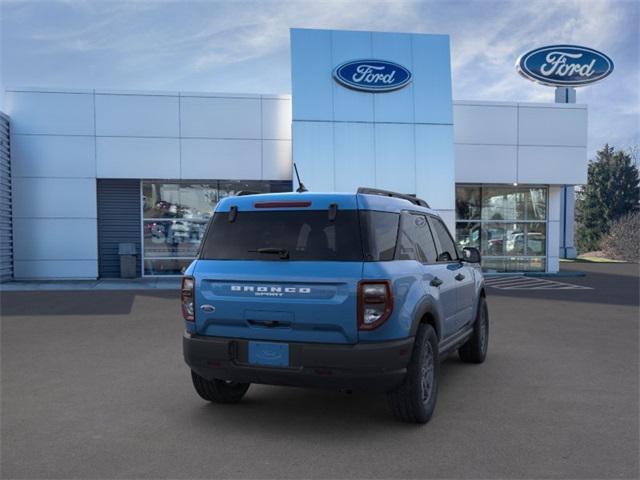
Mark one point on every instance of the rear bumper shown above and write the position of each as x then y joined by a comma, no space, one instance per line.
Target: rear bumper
369,366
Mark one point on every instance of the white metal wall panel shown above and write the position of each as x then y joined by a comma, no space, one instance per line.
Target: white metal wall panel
60,152
433,143
431,79
396,106
520,143
54,197
276,159
395,157
75,239
554,203
559,126
355,159
56,269
552,165
313,149
449,218
50,113
352,138
227,159
349,105
313,85
137,115
203,117
131,157
485,124
54,156
553,264
553,246
276,119
486,163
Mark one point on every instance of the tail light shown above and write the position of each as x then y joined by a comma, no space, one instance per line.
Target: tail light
186,298
375,303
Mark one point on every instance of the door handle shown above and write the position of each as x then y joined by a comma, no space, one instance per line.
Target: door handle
436,282
459,277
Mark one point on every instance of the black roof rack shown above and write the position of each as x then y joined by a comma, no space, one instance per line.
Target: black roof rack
386,193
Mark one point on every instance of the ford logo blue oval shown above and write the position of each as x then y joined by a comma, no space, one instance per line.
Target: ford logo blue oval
372,75
564,65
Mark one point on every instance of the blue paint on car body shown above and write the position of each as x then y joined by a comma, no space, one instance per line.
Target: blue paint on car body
325,289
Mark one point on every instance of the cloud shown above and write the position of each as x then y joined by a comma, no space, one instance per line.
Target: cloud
244,46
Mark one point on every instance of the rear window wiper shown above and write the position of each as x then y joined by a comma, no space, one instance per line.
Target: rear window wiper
282,252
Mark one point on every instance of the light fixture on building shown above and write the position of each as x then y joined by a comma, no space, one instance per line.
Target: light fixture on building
515,184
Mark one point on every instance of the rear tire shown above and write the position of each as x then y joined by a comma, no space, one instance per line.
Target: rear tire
219,391
415,399
475,349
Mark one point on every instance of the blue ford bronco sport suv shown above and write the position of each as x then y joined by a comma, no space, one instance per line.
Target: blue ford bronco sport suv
362,291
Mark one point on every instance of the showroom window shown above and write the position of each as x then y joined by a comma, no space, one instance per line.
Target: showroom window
507,224
175,215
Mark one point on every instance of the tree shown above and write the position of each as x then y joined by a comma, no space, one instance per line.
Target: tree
612,190
623,240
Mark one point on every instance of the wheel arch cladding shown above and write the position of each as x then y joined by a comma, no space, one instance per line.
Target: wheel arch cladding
427,316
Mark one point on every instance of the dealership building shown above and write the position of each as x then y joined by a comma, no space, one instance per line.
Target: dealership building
87,174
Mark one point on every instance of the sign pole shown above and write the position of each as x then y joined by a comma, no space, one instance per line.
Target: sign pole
565,95
567,249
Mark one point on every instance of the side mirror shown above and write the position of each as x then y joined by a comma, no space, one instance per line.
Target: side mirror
471,254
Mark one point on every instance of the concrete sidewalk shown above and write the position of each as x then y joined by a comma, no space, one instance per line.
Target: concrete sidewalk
100,284
149,283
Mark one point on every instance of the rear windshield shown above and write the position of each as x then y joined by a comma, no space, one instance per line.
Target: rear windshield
302,235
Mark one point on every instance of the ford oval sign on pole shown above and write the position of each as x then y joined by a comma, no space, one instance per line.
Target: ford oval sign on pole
372,75
564,65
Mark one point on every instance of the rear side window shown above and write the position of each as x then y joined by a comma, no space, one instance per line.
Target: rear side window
303,234
446,248
416,242
379,234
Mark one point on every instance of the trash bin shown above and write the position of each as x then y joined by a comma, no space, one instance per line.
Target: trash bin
127,252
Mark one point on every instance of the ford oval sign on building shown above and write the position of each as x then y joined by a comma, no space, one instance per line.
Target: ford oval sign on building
564,65
372,75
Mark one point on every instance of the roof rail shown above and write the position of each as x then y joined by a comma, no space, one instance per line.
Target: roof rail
386,193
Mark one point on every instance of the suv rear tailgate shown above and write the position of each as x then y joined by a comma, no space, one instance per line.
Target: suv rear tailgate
278,300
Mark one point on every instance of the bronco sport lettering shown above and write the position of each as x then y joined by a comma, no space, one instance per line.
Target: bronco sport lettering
251,288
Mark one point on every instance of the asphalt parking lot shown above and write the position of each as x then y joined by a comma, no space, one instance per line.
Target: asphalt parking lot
94,386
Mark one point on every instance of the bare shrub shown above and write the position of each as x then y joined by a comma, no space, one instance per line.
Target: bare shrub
623,240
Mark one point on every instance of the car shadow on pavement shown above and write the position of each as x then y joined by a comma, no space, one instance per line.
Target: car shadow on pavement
318,413
81,302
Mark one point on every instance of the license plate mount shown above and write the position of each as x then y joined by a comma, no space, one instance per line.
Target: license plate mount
269,354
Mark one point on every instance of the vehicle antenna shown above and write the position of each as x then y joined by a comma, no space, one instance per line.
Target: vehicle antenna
301,188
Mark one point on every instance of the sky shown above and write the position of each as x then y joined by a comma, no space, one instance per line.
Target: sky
237,46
